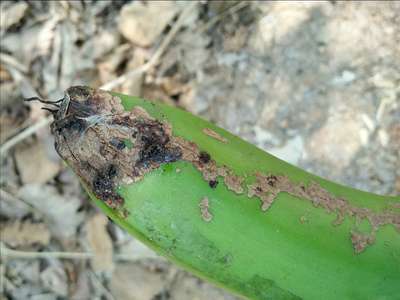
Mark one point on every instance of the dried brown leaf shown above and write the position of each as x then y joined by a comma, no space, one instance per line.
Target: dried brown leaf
107,68
133,86
54,278
12,207
12,118
21,234
135,282
143,23
12,15
34,164
100,243
4,74
61,212
46,36
188,287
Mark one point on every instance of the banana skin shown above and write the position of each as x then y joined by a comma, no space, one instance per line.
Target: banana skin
224,209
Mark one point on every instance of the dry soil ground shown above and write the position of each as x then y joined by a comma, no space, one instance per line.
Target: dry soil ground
317,84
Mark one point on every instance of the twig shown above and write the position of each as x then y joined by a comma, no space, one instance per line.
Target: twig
10,253
8,59
231,10
27,132
110,85
2,277
101,286
6,252
18,77
156,56
6,196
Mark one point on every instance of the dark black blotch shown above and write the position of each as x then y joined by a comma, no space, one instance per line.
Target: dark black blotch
163,295
79,92
204,157
80,109
154,148
213,184
79,104
226,260
70,124
117,143
271,180
112,171
104,185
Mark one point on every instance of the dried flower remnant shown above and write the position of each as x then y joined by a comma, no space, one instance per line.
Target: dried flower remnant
91,128
204,209
108,146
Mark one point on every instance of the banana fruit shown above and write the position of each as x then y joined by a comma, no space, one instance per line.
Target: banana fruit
224,209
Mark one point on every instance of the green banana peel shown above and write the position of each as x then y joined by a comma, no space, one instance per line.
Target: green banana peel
224,209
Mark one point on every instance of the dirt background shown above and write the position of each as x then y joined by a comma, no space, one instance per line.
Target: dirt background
317,84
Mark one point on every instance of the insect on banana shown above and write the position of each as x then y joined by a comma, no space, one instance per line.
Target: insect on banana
224,209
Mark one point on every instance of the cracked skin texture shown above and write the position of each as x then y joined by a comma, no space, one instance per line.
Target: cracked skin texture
309,260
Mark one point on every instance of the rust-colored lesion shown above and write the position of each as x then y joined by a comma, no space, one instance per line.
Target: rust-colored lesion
108,146
361,241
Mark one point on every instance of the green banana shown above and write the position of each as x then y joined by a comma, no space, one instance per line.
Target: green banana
224,209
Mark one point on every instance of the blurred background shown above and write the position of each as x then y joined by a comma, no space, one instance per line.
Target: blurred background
314,83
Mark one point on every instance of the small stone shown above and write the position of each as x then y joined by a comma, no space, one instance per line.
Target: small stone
336,142
344,78
383,137
12,15
142,23
134,281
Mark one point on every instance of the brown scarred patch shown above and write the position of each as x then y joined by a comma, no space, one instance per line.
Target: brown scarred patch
267,200
204,157
91,128
267,187
214,135
204,210
361,241
264,188
234,183
207,166
395,205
